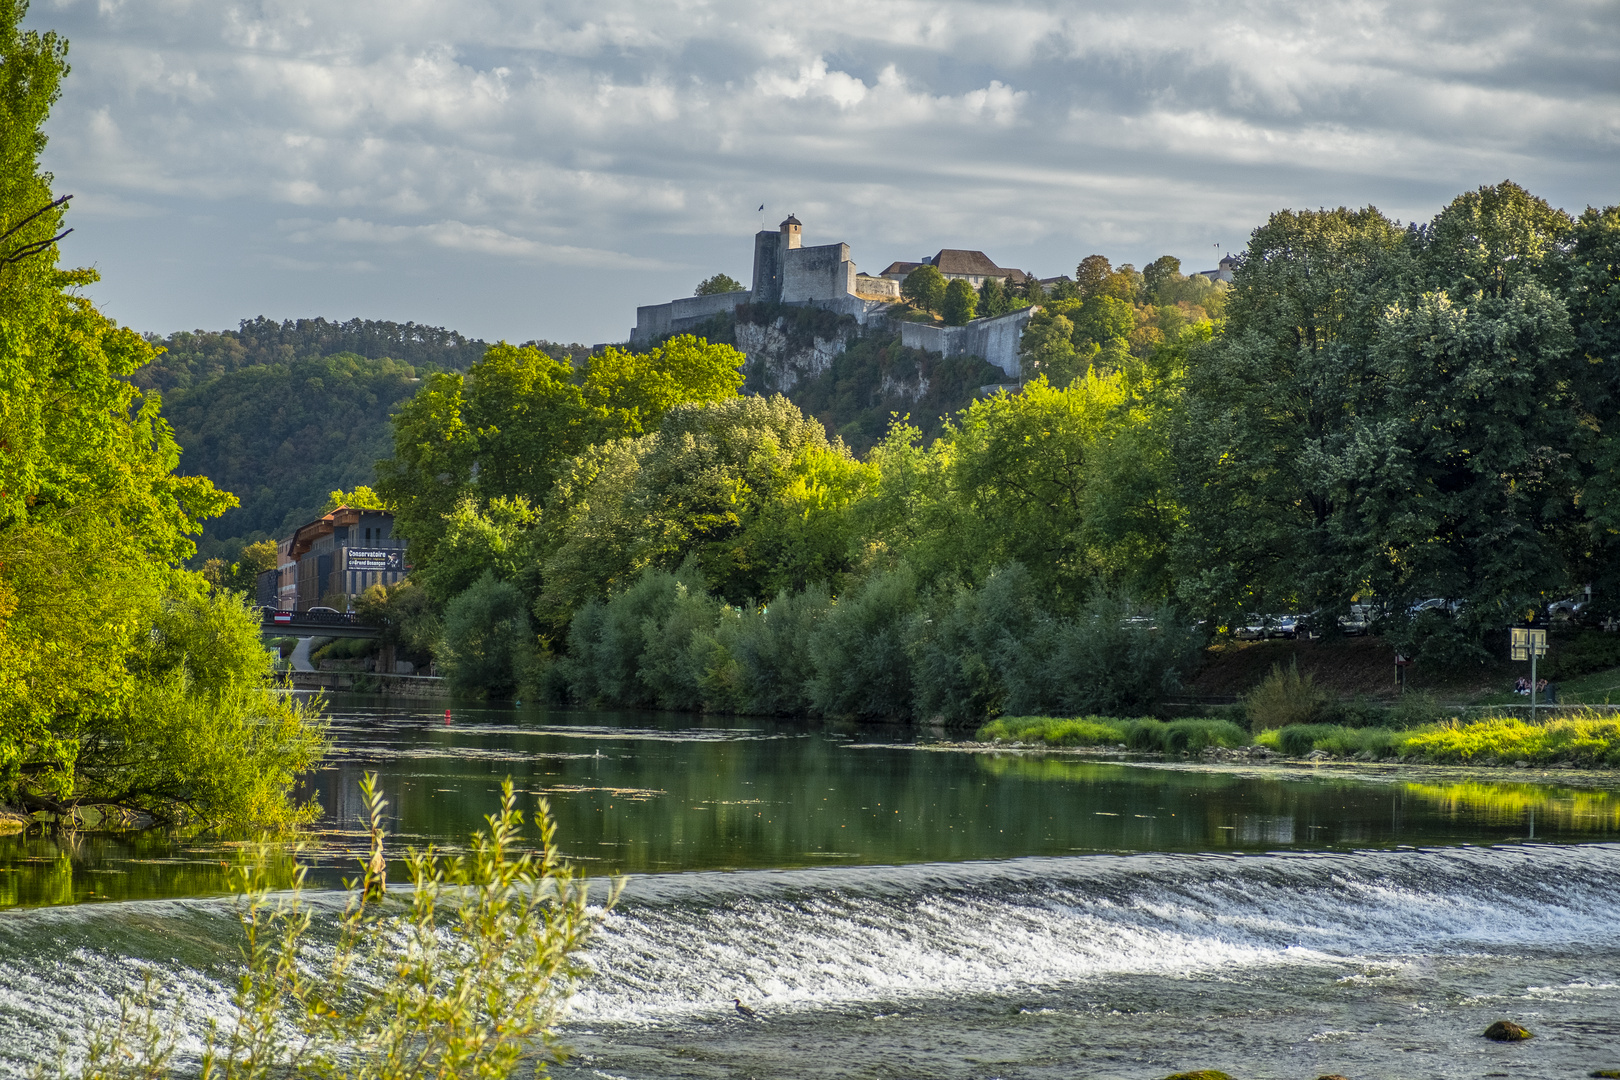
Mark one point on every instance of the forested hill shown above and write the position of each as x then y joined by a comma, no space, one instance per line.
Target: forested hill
281,436
192,356
281,413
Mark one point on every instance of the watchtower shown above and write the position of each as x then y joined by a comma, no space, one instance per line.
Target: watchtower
770,249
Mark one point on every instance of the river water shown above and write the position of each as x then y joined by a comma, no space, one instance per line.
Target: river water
891,910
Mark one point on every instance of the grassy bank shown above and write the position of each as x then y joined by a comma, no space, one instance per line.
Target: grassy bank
1146,735
1585,738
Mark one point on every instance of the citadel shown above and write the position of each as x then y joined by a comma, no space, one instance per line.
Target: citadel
824,276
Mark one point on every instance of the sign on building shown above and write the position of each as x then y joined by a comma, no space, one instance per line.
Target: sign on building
384,559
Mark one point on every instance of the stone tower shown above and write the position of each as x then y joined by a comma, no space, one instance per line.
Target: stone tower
769,250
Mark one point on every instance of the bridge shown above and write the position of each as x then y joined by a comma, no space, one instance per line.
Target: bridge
315,624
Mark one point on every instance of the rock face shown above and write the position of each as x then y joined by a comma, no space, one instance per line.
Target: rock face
784,366
1506,1031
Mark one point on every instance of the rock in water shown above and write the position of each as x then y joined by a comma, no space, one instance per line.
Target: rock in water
1614,1073
1333,1076
1201,1074
1506,1031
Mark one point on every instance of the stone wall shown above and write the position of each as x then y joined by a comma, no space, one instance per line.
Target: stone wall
817,273
868,287
655,320
996,339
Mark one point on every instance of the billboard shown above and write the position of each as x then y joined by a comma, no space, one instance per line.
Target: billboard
385,559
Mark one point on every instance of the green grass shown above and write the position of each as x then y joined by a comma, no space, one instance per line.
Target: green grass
1146,734
1588,738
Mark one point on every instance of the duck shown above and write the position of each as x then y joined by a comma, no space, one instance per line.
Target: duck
743,1010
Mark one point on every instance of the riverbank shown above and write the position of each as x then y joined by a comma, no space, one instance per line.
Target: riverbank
1583,739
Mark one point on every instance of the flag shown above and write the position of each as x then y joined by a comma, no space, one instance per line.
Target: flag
761,207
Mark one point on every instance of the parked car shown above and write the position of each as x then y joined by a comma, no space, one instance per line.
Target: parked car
1360,620
1572,609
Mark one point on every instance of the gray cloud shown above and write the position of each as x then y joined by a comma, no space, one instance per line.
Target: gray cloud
526,169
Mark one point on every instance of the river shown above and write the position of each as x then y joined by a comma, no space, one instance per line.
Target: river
891,909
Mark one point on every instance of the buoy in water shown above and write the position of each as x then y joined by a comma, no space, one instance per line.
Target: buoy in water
447,716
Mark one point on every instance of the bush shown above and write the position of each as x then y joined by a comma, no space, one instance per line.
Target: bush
1106,660
1084,731
1285,697
762,663
1191,736
606,642
863,666
487,643
468,973
967,644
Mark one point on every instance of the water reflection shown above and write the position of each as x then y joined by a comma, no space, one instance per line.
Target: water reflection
642,793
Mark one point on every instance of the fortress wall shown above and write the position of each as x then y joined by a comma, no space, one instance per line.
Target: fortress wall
656,320
817,273
994,339
878,288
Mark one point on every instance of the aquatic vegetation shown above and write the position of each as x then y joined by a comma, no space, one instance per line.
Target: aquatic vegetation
1082,731
1587,737
1146,734
467,975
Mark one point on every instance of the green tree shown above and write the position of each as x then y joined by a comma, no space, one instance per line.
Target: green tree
719,283
95,707
487,643
1047,348
960,302
924,287
750,489
361,498
1268,409
506,428
993,298
1159,276
1591,287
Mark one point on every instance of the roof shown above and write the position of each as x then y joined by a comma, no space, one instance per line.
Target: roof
900,268
791,220
304,537
971,264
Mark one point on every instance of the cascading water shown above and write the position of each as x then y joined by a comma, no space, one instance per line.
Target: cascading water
1315,957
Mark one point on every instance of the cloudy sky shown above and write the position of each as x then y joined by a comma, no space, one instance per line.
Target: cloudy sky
537,168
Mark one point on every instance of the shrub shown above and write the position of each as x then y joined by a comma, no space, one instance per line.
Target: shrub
863,666
1285,697
1083,731
763,664
967,643
487,643
1106,660
606,641
1580,653
468,974
1191,736
1587,737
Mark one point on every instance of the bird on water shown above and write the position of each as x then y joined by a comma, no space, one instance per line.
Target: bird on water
743,1010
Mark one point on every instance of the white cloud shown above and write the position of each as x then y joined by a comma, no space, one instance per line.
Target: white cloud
588,140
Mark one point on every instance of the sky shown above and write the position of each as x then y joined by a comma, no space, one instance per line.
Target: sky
526,169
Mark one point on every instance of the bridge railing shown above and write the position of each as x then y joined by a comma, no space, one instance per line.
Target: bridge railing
274,617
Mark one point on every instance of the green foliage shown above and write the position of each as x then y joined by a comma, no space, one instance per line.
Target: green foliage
862,666
122,682
467,976
519,416
189,358
960,302
406,616
361,498
1047,348
243,575
1082,731
283,436
748,487
1191,736
487,644
719,283
1285,697
924,287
